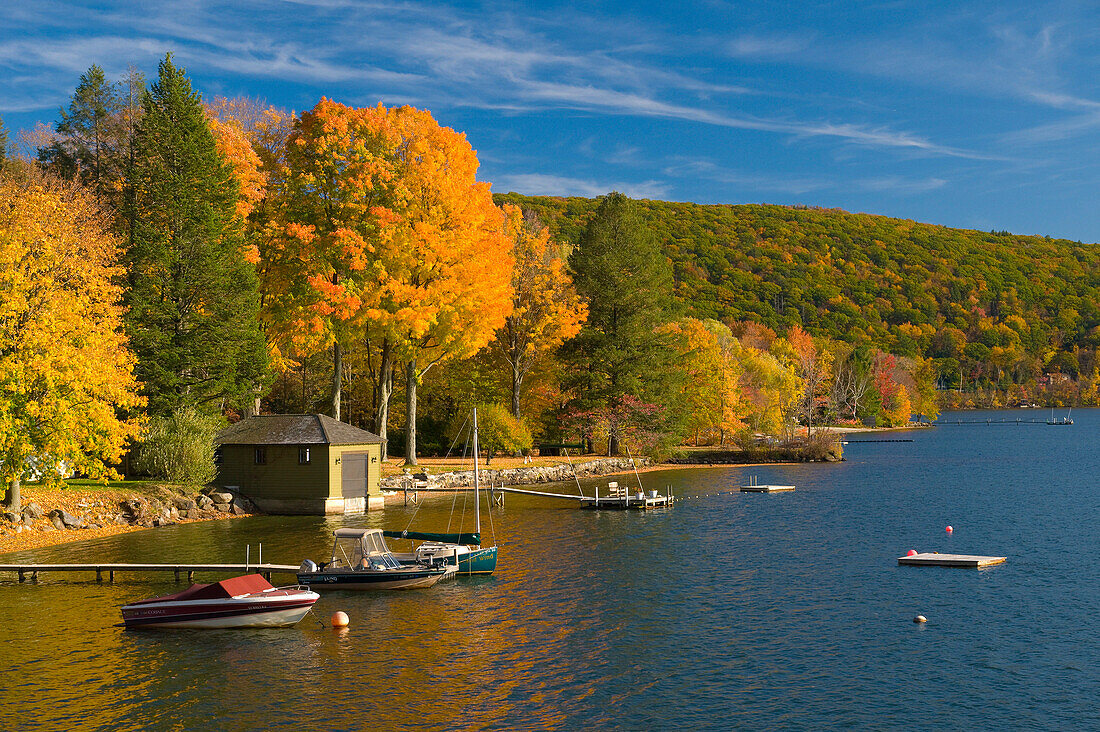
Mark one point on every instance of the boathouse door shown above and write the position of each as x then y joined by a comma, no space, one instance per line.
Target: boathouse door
353,481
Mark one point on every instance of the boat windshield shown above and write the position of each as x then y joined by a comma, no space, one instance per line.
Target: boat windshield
381,561
366,552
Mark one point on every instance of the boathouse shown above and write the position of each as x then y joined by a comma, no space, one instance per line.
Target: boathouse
301,464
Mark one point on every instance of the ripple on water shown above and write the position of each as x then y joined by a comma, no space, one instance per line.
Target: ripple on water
729,611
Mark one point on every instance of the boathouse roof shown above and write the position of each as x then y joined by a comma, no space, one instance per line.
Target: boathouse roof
294,429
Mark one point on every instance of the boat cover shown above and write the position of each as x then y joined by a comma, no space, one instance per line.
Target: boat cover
231,587
466,538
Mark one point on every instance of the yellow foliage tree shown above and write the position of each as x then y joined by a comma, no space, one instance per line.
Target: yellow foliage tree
710,395
65,370
546,309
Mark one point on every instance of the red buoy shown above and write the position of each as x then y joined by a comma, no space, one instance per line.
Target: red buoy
949,529
339,619
911,553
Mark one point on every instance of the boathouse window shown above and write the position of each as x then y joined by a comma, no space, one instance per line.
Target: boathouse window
261,456
303,456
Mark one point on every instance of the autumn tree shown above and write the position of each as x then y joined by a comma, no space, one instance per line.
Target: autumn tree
389,235
813,364
66,373
88,146
770,386
500,431
709,394
546,309
620,351
193,298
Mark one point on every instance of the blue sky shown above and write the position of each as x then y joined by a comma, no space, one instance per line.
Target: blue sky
972,114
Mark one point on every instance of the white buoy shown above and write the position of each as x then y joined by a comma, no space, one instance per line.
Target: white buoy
920,619
339,619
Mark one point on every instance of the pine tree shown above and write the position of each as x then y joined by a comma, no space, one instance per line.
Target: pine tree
89,137
621,357
193,296
3,144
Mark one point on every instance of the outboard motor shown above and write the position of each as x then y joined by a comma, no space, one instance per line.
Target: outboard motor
308,566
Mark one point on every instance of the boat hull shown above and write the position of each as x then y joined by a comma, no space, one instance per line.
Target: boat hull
242,612
367,580
478,561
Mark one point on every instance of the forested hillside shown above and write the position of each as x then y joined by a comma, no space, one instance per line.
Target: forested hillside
991,308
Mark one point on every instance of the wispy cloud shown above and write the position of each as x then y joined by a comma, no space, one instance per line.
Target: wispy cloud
746,180
900,185
537,184
762,46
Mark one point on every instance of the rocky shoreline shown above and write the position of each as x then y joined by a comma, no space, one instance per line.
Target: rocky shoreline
73,514
516,476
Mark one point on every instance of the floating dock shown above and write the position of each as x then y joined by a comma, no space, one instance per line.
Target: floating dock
933,559
178,569
622,498
756,487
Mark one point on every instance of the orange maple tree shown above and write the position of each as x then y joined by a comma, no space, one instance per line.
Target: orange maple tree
388,232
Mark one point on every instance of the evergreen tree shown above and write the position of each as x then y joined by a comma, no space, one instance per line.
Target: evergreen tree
3,144
622,363
89,137
193,299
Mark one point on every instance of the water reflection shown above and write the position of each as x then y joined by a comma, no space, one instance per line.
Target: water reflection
730,610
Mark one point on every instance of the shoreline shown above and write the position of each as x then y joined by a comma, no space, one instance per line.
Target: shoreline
18,538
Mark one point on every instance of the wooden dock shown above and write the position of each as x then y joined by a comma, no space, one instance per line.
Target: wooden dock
622,498
178,569
933,559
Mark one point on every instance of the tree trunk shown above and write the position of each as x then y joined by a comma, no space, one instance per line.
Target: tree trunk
410,413
337,379
11,499
517,381
385,379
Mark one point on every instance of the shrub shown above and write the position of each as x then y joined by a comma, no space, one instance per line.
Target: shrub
179,448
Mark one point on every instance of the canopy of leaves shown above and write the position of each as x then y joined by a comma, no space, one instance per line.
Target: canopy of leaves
66,373
908,288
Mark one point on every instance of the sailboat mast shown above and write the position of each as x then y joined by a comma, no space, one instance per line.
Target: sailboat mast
477,481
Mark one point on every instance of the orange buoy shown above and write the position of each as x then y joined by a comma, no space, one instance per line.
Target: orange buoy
911,553
339,619
949,529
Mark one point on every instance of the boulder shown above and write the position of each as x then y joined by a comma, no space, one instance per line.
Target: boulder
64,520
183,503
204,503
34,511
236,509
133,509
222,507
221,497
13,517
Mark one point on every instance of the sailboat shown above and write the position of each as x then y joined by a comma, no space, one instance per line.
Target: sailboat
462,550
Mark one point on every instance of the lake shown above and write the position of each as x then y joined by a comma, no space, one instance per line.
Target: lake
730,610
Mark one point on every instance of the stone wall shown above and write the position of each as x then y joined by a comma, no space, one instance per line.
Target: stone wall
520,476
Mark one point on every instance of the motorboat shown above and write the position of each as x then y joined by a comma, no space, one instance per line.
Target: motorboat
248,601
361,561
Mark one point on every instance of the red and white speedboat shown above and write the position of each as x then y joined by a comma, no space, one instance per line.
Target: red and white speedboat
248,601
